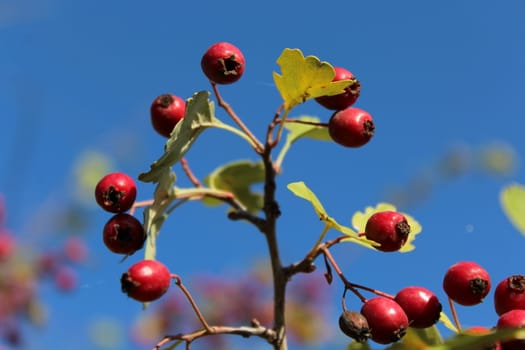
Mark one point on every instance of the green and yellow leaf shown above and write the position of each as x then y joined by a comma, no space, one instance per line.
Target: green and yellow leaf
200,115
512,200
297,131
303,78
238,177
301,190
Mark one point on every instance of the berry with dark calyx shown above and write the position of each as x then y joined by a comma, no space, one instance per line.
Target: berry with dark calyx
512,319
223,63
146,280
388,228
466,283
354,325
124,234
510,294
422,306
166,111
351,127
116,192
345,99
387,320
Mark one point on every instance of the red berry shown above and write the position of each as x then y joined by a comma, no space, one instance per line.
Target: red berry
512,319
354,325
166,111
345,99
116,192
351,127
466,283
480,330
146,280
124,234
421,306
510,294
223,63
387,320
388,228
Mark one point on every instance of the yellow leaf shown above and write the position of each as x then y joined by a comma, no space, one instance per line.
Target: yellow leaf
303,78
301,190
512,200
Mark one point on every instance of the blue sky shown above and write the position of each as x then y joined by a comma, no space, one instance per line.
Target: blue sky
80,76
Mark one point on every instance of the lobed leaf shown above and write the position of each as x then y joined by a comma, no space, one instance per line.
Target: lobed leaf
238,177
512,199
304,78
200,115
301,190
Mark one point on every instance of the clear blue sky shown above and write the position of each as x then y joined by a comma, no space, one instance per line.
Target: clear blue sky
79,76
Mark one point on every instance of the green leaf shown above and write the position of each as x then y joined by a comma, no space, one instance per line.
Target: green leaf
200,114
359,220
299,130
301,190
512,200
358,346
464,341
238,177
429,335
443,318
303,78
155,215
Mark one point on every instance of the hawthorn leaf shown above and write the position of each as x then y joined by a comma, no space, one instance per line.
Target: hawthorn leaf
443,318
301,190
300,130
200,115
462,341
358,346
303,78
512,199
359,220
238,177
155,214
418,339
429,335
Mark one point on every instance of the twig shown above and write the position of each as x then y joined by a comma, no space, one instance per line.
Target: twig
222,103
194,306
187,170
254,331
454,314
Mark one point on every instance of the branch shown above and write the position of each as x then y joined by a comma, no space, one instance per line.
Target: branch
258,145
256,330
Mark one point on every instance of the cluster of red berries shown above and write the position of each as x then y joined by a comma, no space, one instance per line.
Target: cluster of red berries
348,126
224,63
146,280
467,283
385,319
